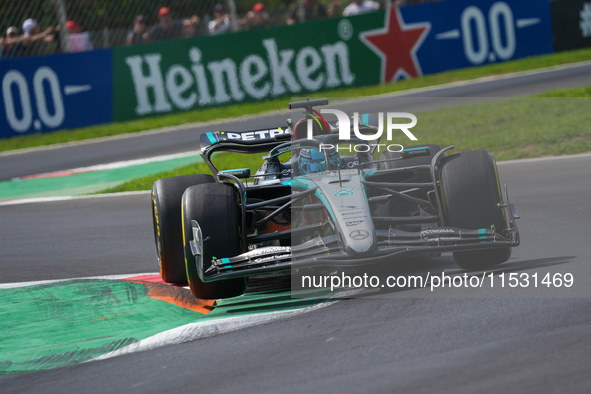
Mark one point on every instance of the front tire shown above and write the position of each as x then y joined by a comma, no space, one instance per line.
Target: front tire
470,191
166,218
216,209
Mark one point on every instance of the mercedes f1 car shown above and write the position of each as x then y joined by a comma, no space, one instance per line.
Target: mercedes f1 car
320,207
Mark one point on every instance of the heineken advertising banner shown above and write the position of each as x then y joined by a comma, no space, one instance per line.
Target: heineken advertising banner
48,93
335,53
75,90
254,65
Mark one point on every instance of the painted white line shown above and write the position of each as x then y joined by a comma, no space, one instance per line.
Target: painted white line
547,158
214,326
44,282
117,164
68,198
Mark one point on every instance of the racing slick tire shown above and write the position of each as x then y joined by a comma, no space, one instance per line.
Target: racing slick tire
168,231
216,209
470,192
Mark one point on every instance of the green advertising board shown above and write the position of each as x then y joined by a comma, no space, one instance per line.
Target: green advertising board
187,74
303,59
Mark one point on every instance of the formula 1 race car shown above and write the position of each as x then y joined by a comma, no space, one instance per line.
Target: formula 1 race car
323,207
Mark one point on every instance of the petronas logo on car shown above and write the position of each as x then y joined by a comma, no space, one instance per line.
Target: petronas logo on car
344,193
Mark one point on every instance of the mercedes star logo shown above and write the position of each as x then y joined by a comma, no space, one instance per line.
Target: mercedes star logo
359,234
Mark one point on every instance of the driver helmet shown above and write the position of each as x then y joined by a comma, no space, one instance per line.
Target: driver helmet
312,160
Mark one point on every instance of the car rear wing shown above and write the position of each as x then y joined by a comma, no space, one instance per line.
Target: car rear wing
255,141
244,141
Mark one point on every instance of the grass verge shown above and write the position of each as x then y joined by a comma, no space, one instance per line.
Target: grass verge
205,115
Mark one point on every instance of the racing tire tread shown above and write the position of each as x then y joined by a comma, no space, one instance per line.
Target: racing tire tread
470,192
216,209
166,218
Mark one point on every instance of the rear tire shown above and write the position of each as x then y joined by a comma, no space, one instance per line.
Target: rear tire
216,209
168,231
470,191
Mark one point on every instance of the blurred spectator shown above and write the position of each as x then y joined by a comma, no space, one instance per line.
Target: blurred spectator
37,42
307,10
256,18
135,36
79,40
30,27
166,29
11,46
220,22
360,6
334,9
12,31
190,26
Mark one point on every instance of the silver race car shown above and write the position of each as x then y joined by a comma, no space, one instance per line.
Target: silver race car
326,205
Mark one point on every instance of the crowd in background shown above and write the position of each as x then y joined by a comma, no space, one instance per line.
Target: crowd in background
258,17
33,41
30,39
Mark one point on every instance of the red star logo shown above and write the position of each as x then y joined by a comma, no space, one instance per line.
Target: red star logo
396,44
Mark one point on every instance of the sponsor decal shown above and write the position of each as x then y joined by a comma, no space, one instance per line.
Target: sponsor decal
288,148
359,234
353,223
439,231
444,238
415,152
238,173
254,135
269,250
352,213
344,193
271,259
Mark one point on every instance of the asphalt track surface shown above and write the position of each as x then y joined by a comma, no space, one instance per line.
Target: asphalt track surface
480,340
